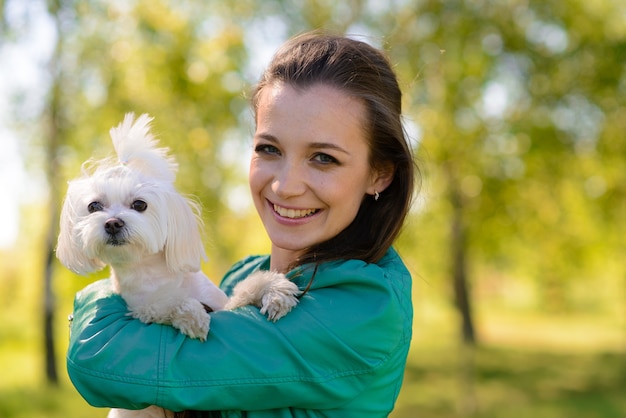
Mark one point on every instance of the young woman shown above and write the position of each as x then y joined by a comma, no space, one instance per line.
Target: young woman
332,178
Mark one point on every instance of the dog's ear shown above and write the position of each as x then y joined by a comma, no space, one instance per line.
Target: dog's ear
183,245
70,251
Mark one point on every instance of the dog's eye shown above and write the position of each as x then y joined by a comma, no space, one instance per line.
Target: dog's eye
95,207
139,205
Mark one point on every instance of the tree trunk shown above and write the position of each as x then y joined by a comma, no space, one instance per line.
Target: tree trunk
52,173
458,242
48,315
53,141
467,401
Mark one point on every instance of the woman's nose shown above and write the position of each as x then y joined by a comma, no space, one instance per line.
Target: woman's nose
289,181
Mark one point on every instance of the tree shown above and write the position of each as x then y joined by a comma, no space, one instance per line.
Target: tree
55,132
96,75
518,107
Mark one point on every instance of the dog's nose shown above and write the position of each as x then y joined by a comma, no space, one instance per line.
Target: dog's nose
113,226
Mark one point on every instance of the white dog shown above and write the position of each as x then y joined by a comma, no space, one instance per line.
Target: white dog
128,215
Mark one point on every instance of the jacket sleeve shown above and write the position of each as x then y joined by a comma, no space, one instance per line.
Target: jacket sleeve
321,355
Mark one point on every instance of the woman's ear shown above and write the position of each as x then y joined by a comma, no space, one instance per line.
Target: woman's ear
381,178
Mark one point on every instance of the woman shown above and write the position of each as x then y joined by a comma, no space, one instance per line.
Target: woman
332,178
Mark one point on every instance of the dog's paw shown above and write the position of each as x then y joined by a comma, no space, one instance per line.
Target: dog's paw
190,318
279,297
272,292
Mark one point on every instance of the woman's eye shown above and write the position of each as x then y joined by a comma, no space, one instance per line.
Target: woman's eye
266,149
325,159
95,207
139,205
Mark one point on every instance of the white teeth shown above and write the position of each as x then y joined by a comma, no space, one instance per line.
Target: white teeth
293,213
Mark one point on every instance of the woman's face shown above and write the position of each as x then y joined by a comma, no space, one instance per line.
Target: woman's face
310,166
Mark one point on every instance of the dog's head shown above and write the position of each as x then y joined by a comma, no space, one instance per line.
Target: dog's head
122,211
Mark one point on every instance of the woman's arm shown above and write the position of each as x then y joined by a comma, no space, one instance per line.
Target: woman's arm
321,355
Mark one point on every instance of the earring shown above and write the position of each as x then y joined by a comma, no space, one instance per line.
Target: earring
376,195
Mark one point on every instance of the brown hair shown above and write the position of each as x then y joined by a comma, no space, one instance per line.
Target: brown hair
363,72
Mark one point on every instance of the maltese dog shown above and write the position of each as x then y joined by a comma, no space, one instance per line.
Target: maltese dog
127,214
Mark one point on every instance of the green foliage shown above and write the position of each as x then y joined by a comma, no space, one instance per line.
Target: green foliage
177,62
517,110
517,102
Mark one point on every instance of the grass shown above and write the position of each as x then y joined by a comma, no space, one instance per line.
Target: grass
41,401
443,383
527,366
504,383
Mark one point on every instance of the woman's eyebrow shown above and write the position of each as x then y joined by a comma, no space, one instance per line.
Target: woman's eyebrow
267,137
313,145
328,145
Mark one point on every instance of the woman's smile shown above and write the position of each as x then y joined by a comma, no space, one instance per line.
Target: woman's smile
294,213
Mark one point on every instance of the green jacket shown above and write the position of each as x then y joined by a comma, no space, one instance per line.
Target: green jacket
341,352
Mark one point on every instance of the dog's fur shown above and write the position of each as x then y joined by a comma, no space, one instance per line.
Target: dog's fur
127,214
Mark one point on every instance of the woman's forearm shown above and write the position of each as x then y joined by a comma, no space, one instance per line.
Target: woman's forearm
117,361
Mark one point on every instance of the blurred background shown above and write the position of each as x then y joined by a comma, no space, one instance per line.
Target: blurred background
516,110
